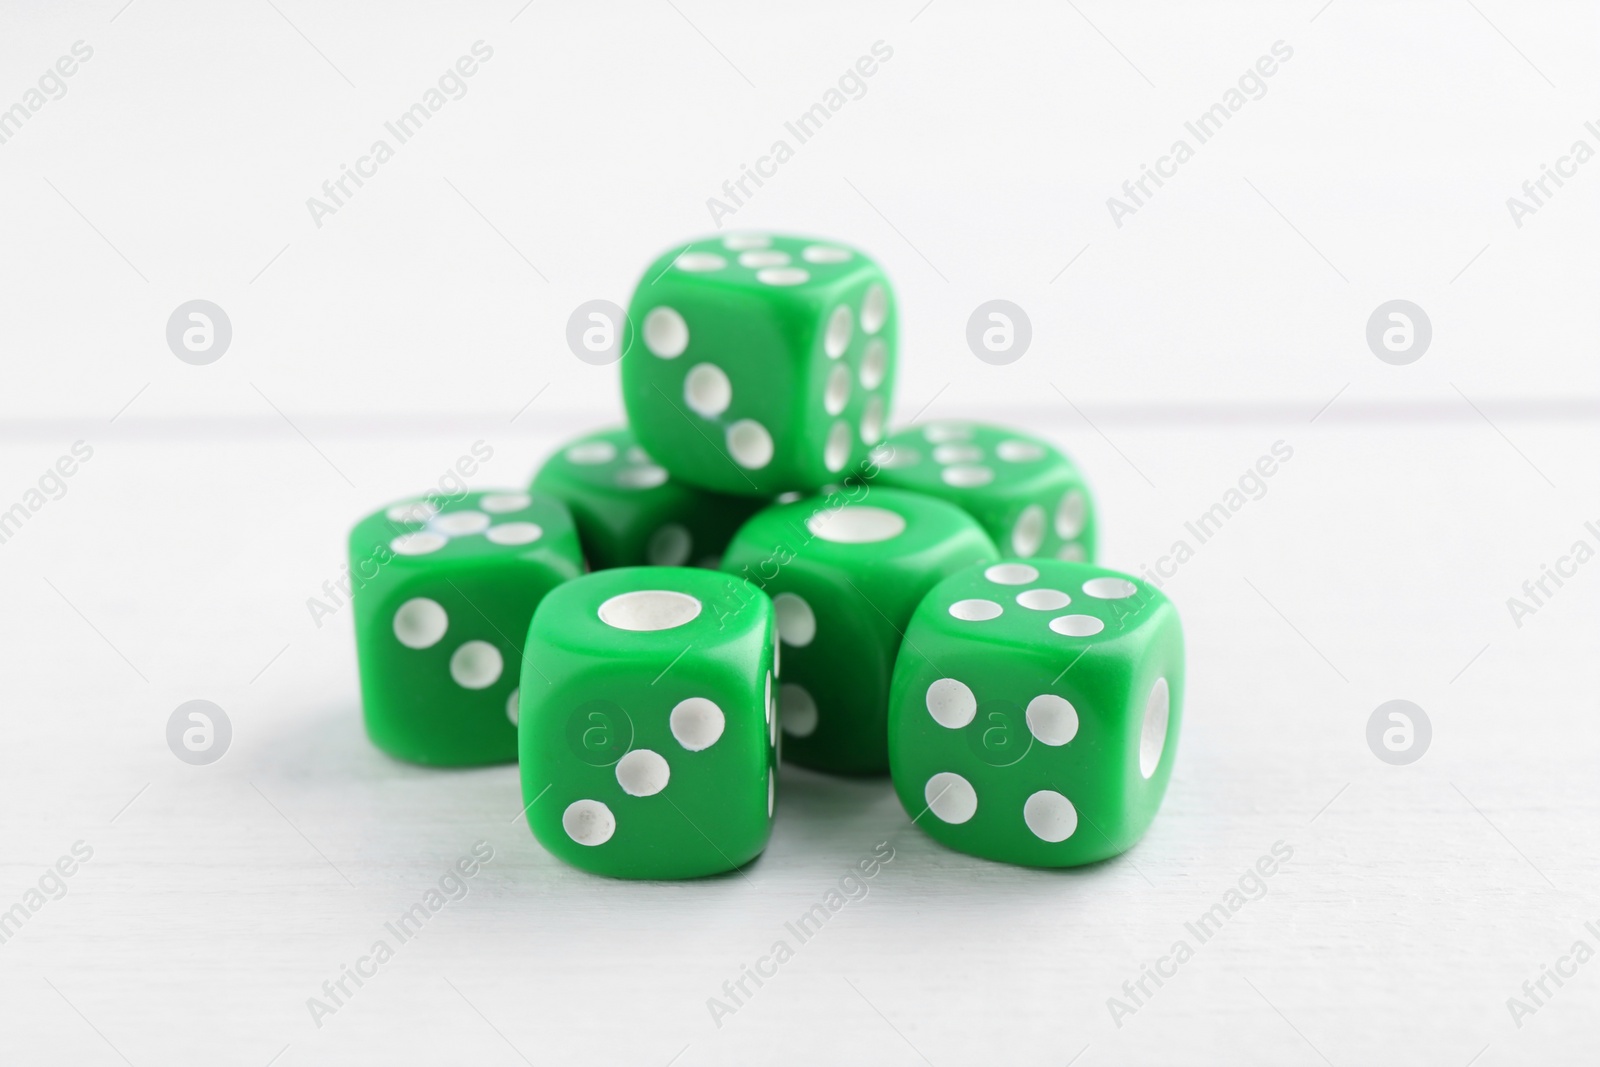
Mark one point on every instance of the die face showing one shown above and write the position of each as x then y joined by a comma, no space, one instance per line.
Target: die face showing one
1035,711
763,363
630,512
1024,491
447,589
647,730
845,578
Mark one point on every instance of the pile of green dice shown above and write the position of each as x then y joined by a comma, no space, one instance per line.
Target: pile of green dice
753,567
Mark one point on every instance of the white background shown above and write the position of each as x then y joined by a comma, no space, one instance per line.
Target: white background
1169,353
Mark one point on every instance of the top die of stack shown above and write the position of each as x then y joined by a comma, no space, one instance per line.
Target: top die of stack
762,363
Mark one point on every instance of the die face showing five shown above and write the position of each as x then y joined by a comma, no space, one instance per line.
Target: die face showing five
630,512
443,593
1029,496
1035,711
845,572
762,364
647,723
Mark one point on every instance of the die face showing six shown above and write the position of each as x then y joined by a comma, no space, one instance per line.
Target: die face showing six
763,363
630,512
845,573
1035,711
443,591
1029,496
648,729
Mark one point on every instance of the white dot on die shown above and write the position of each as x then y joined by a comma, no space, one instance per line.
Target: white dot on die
696,723
872,421
967,476
772,792
741,242
749,444
417,511
824,254
665,333
1153,737
797,710
706,390
1028,534
1012,574
642,773
646,610
590,453
957,454
1072,553
645,476
782,276
476,665
837,393
764,258
1019,451
513,708
418,544
500,503
892,457
1050,816
941,432
1052,720
975,610
588,822
514,533
1077,625
669,546
1070,515
950,797
460,523
874,309
874,364
856,524
951,703
697,262
1043,599
797,623
836,453
1109,588
837,337
420,622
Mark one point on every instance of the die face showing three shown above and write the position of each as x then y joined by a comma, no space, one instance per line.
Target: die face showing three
446,589
845,572
648,725
1029,496
762,364
630,512
1035,711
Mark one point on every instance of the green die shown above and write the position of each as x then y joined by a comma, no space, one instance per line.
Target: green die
844,578
630,512
764,364
1035,711
446,589
648,726
1025,492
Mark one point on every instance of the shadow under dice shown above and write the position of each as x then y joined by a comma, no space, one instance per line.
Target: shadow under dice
1024,491
630,512
764,363
1035,711
844,579
648,722
443,593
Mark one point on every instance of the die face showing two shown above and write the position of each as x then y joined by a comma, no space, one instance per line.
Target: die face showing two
1029,496
1035,711
648,725
762,364
845,577
446,591
630,512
